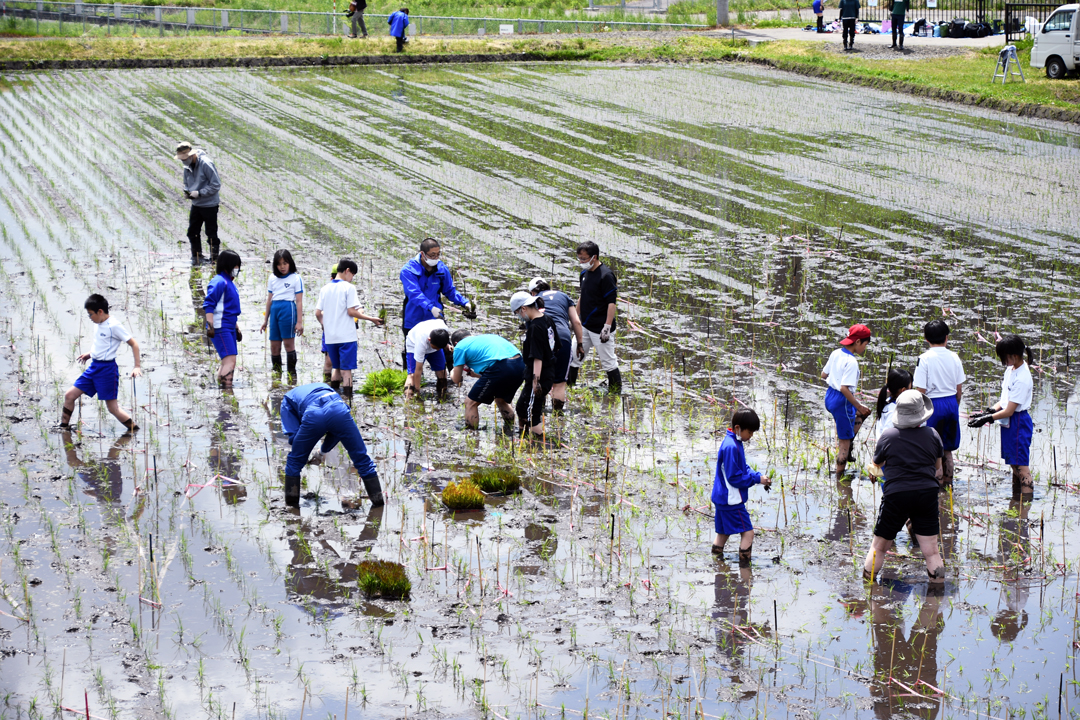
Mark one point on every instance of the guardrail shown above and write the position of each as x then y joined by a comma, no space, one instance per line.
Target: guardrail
1017,16
288,22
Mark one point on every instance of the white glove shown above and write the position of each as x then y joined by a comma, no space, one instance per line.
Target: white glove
605,334
436,312
193,194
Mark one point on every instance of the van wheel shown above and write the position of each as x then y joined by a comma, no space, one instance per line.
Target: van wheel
1055,68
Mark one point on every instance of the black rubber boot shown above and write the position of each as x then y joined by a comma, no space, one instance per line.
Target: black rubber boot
440,388
335,384
215,247
404,361
571,379
65,418
292,490
346,393
196,259
275,361
557,406
744,556
326,377
374,490
130,425
614,382
290,358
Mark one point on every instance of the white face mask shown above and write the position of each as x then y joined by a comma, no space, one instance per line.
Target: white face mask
586,265
235,271
429,262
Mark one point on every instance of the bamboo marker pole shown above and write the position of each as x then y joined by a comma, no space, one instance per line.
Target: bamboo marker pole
303,703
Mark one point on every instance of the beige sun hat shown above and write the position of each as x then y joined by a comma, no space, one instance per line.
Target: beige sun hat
183,150
913,409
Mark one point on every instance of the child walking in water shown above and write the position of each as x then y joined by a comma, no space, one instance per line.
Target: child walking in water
841,372
940,376
1011,412
102,378
733,479
284,310
222,307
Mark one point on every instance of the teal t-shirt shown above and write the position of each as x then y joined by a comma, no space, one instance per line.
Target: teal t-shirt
480,352
899,7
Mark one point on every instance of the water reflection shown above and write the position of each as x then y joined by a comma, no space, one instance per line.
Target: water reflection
1014,548
225,459
102,478
731,608
906,662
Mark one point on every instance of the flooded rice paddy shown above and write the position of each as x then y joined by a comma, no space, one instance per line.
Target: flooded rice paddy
751,216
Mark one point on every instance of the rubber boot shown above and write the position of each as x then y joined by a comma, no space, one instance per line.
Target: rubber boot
614,382
440,388
335,384
275,361
215,247
65,418
557,406
292,490
326,377
196,259
290,358
346,394
571,379
374,490
404,361
744,556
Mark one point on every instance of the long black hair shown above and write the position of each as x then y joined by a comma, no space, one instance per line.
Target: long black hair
898,381
226,261
287,257
1012,345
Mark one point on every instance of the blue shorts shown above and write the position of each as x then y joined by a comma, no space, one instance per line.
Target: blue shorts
102,378
499,382
946,420
282,320
324,343
225,342
843,413
1016,439
342,355
732,519
436,361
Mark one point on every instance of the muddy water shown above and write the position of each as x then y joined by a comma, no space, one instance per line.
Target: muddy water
750,215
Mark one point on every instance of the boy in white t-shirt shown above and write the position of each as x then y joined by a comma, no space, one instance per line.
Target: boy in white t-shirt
940,376
102,378
841,372
425,343
338,305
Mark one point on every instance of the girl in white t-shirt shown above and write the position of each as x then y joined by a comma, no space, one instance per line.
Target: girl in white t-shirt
284,310
1011,412
898,381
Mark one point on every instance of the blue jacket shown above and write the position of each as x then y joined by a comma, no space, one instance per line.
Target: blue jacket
398,22
315,412
733,475
223,300
818,7
204,178
422,291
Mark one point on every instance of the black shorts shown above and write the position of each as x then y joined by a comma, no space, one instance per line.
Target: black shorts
499,382
919,506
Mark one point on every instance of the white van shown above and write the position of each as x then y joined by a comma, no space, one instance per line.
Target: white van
1057,44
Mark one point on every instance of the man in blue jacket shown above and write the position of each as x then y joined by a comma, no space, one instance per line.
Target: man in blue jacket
398,21
201,186
315,412
425,278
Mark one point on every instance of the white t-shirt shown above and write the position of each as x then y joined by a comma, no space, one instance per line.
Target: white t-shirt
939,372
335,299
842,370
887,419
285,288
108,337
417,341
1018,387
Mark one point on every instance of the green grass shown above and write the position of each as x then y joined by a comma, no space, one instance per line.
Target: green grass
496,480
384,384
383,578
463,495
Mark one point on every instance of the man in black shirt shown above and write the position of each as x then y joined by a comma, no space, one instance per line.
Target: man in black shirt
561,308
596,308
539,351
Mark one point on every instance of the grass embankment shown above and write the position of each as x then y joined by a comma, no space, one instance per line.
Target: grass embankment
963,77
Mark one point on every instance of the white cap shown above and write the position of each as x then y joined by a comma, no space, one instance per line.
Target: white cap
521,299
536,281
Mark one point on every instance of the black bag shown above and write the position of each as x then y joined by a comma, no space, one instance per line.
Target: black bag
956,28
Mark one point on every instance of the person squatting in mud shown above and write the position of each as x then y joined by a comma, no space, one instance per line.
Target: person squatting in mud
315,412
841,372
731,484
500,371
201,186
102,378
426,343
221,308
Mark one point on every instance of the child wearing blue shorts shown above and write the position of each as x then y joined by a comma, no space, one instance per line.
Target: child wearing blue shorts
222,307
284,312
102,378
1011,412
841,372
940,376
337,306
730,487
425,343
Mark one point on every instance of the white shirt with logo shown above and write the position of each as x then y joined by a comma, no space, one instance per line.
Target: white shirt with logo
335,299
285,288
108,337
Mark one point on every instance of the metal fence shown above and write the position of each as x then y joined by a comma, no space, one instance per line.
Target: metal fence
1017,14
936,11
179,20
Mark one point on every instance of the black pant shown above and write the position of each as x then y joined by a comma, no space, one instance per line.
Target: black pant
539,400
849,30
898,29
358,19
198,216
400,43
821,23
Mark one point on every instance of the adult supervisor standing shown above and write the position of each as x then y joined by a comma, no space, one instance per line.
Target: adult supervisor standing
315,412
425,280
596,307
201,186
849,17
560,307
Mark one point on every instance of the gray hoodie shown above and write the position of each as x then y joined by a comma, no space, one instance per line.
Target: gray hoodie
202,176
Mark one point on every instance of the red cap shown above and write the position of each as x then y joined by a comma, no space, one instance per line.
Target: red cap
857,332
